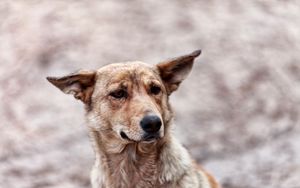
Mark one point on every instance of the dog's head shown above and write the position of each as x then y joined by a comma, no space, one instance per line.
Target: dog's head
128,101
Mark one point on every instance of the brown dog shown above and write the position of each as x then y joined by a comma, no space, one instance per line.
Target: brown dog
129,118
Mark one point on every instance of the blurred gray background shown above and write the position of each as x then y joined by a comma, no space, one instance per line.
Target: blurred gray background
237,112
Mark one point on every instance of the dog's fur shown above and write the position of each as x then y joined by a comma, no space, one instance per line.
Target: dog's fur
117,97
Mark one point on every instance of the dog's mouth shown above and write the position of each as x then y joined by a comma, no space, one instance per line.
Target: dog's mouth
124,136
151,137
145,138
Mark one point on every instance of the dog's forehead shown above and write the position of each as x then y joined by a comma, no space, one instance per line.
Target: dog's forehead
121,71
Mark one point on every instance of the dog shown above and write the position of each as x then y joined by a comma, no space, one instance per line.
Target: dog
130,124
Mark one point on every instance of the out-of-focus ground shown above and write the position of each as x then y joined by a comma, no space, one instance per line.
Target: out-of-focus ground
237,112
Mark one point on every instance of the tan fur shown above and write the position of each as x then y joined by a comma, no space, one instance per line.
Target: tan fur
134,162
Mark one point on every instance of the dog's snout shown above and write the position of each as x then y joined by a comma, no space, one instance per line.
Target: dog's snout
151,123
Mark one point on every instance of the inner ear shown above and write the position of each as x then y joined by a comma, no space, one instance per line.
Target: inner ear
80,84
174,71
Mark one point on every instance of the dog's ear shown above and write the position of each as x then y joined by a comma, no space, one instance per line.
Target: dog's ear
174,71
80,84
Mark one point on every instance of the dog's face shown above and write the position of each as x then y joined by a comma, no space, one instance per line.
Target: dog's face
128,101
132,99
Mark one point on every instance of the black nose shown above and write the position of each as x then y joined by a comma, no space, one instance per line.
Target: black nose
151,124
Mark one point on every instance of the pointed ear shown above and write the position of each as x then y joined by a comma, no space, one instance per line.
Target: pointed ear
80,84
174,71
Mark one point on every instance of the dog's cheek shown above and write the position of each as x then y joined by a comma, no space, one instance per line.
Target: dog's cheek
158,99
116,104
101,111
166,111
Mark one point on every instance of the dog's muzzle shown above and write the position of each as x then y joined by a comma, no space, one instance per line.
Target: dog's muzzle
151,126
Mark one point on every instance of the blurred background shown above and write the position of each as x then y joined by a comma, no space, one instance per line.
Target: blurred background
237,112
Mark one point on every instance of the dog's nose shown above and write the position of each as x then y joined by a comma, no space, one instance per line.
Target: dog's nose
151,124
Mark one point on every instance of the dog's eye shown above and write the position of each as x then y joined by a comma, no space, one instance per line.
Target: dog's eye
155,90
119,94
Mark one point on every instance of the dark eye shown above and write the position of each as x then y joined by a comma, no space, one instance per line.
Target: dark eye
155,90
119,94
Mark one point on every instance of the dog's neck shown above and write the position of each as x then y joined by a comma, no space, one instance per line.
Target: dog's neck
138,164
